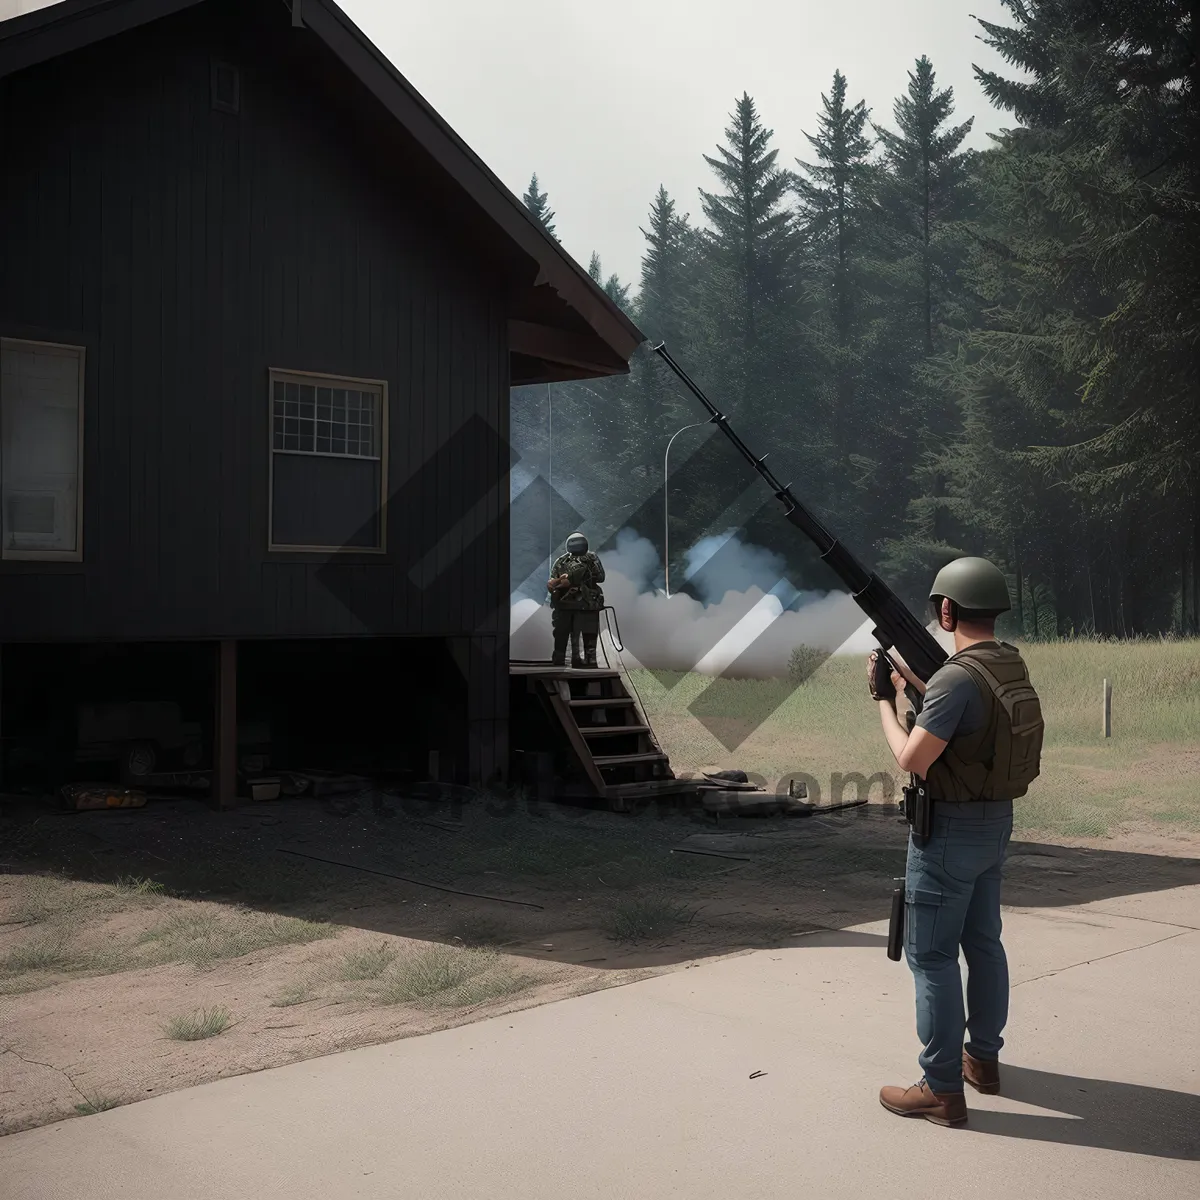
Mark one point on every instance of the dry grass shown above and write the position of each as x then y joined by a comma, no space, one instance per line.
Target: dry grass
49,952
195,1026
49,897
70,934
648,918
135,885
205,938
294,993
447,975
369,963
1090,785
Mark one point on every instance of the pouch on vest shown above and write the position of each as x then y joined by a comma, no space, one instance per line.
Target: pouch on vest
1000,760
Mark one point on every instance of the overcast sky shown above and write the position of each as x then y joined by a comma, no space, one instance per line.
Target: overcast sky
606,99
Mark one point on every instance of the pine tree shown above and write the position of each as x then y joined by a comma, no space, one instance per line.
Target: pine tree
668,272
834,191
835,196
538,203
927,193
750,253
925,196
614,289
1109,184
617,292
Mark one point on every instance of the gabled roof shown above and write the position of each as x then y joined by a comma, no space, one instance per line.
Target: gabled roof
563,325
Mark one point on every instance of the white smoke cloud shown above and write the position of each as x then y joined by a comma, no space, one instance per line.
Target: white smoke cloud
636,560
753,617
742,566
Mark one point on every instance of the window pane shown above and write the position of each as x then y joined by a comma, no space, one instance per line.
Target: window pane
39,387
326,419
370,421
326,501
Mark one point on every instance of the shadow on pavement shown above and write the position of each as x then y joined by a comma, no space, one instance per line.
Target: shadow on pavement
1126,1117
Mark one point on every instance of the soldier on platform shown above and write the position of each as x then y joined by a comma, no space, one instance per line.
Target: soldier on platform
576,599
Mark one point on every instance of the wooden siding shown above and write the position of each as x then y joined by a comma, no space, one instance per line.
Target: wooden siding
191,250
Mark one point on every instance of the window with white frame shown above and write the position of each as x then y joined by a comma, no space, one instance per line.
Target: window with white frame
327,462
41,427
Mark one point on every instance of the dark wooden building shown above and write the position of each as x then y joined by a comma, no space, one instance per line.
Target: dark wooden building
260,312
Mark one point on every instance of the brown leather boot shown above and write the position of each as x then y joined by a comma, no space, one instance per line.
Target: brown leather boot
983,1074
945,1108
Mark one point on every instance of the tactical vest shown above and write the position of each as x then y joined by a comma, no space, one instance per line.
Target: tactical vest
584,571
1003,757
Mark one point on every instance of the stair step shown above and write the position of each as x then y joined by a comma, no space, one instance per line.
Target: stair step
599,730
602,702
620,760
548,671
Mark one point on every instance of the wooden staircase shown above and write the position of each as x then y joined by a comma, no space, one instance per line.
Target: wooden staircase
606,733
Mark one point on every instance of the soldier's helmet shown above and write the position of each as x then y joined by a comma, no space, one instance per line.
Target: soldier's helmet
976,585
577,544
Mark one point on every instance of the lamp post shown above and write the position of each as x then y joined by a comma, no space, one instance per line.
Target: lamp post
666,524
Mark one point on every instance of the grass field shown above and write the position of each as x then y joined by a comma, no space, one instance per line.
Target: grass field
1144,775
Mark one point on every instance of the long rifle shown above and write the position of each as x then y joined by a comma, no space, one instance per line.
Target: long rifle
896,629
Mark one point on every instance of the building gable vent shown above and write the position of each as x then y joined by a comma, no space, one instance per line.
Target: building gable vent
226,87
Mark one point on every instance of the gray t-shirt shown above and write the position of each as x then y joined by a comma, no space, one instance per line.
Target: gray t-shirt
953,703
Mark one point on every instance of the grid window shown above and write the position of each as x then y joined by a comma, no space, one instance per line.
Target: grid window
313,419
328,463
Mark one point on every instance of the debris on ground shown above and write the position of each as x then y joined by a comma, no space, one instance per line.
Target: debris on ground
86,797
733,780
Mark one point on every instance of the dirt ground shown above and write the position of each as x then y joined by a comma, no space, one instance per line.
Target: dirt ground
115,924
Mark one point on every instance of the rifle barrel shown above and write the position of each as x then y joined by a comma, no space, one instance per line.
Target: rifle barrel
896,627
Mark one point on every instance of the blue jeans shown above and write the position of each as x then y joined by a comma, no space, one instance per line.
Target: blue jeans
952,888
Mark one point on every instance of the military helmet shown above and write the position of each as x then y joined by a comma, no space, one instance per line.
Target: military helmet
577,544
974,584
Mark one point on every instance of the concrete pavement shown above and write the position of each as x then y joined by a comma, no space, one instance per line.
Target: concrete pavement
645,1091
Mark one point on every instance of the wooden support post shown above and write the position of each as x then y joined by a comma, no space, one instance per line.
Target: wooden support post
545,777
483,661
1107,718
224,792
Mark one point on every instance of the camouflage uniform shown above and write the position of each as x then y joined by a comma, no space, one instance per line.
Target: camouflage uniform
575,607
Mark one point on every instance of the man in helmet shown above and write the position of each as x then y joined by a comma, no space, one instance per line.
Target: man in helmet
975,747
575,602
